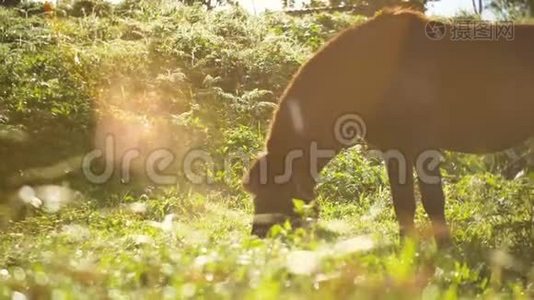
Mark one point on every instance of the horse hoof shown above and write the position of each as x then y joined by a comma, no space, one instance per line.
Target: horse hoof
444,243
261,230
264,222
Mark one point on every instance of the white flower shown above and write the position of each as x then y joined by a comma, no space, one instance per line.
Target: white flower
165,225
302,262
356,244
27,195
18,296
138,207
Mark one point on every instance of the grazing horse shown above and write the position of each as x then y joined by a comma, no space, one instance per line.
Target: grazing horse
412,87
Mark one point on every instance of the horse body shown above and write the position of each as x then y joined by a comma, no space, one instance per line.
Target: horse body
413,94
484,97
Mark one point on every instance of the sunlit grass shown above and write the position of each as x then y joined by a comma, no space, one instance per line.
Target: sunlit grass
195,245
210,80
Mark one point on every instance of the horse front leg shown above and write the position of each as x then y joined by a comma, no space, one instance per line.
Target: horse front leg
402,190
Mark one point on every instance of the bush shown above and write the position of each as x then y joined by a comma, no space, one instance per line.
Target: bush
82,8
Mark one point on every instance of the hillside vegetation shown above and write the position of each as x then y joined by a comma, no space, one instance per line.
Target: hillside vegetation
156,75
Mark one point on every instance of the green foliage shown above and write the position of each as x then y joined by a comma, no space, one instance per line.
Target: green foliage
351,176
512,9
211,80
372,5
10,2
82,8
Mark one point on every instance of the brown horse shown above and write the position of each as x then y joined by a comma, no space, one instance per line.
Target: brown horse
411,87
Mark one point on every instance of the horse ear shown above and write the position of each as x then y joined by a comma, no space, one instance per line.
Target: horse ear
256,176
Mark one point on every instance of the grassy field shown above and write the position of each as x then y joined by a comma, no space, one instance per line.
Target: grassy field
209,81
175,244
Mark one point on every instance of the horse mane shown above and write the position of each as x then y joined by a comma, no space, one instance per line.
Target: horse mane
348,35
339,46
396,12
399,10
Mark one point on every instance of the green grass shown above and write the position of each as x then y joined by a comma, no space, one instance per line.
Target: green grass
116,249
210,80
